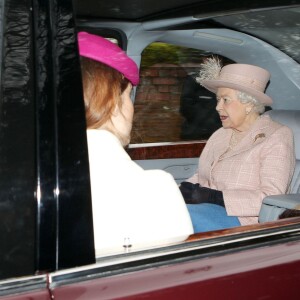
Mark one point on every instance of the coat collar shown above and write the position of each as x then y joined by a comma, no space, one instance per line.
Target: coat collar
261,130
109,144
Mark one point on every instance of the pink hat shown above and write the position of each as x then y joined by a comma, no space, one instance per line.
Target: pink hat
245,78
102,50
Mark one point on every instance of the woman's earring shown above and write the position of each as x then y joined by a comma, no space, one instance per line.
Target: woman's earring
247,111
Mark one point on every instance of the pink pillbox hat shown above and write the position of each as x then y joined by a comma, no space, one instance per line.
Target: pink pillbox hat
106,52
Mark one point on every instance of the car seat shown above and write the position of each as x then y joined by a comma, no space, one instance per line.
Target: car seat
273,206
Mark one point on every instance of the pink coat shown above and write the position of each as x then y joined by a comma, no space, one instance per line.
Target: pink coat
262,164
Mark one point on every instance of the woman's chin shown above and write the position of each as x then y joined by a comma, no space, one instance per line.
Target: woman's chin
225,126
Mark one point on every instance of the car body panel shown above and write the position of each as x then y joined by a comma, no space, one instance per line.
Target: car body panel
28,287
254,272
42,295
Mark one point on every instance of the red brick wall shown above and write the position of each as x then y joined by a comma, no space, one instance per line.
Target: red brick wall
157,117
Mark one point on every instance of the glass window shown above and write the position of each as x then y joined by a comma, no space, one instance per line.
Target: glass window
170,106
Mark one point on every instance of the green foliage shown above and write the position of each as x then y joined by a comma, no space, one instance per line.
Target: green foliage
160,53
167,53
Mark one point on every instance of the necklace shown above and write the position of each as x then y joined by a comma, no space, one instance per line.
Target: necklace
236,137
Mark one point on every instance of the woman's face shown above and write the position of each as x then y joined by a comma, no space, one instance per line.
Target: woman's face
123,117
233,113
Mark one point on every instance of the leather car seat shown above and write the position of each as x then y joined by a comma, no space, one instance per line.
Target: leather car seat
273,206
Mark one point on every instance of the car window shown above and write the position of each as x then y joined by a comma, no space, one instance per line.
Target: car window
170,106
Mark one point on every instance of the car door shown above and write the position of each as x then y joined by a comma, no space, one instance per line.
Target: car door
43,143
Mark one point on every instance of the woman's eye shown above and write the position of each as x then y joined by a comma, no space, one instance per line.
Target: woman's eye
226,100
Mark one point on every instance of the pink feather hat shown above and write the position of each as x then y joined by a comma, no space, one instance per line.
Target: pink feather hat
241,77
102,50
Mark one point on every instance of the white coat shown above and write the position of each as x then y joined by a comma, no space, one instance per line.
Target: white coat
131,205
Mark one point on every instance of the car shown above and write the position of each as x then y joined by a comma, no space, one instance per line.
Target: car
47,245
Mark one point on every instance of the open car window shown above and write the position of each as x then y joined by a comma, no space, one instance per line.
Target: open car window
170,106
165,106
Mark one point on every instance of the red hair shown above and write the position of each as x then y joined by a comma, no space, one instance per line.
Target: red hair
102,88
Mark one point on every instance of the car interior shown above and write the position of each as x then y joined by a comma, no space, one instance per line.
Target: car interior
253,37
274,205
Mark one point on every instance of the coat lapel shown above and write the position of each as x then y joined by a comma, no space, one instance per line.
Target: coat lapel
261,130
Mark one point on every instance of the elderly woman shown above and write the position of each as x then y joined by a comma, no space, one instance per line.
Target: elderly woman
247,159
132,208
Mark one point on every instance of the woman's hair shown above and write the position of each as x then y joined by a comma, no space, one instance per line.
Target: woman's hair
245,98
102,88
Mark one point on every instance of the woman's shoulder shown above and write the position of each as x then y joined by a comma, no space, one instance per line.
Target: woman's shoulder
103,140
274,133
275,127
105,146
95,135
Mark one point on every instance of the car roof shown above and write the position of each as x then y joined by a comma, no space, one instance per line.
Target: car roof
145,10
273,21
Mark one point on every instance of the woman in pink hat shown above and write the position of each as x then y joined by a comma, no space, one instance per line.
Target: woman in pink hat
247,159
132,208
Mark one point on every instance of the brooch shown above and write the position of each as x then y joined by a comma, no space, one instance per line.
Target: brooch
258,136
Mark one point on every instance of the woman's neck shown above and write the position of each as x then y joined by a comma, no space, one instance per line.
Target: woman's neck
247,124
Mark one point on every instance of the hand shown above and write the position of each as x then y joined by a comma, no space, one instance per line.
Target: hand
188,189
195,194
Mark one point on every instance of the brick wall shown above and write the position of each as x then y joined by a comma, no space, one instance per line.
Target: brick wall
157,117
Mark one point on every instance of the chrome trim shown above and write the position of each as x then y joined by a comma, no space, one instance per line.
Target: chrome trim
100,269
132,146
23,285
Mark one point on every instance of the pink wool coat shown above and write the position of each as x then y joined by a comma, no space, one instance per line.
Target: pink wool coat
261,164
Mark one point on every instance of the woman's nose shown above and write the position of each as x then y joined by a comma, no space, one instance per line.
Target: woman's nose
219,106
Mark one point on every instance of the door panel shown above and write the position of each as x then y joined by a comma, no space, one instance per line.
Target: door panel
179,159
181,168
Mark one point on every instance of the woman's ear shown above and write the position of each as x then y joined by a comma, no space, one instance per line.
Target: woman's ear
116,111
249,107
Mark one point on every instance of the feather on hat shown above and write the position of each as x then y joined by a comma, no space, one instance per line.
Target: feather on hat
241,77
